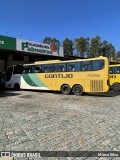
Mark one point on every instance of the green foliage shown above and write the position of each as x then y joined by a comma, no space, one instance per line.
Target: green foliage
95,47
86,47
118,54
68,47
82,46
49,40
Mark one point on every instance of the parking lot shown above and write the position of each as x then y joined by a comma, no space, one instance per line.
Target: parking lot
50,121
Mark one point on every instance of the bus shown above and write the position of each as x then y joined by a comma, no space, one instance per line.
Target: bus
115,77
76,76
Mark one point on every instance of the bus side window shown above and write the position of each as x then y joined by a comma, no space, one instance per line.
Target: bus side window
50,68
45,68
54,68
98,65
87,66
111,70
101,64
61,68
118,70
26,69
71,67
18,69
78,66
36,69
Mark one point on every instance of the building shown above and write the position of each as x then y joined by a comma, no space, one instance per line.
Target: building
18,51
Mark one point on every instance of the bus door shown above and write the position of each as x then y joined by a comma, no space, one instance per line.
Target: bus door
8,77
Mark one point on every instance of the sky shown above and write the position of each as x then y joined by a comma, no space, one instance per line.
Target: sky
35,19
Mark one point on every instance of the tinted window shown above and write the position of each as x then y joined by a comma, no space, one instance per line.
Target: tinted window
74,67
55,68
61,68
117,70
98,65
78,66
9,73
26,69
111,70
45,68
87,66
18,69
36,69
50,68
71,67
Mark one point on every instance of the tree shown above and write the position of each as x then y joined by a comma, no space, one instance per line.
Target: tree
95,47
55,41
118,55
111,51
49,40
68,47
82,46
104,48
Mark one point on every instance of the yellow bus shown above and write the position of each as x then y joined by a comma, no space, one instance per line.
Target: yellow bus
115,77
77,76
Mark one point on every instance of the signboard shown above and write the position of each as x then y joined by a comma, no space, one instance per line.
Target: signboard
30,46
7,43
41,48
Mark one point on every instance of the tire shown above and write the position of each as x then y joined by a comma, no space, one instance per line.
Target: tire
78,90
16,87
116,86
65,89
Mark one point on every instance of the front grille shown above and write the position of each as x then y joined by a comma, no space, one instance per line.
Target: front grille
96,85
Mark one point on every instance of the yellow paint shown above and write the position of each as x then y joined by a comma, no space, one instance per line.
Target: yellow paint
99,77
114,78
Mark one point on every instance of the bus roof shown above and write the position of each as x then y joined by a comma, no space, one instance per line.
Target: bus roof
114,65
50,61
57,61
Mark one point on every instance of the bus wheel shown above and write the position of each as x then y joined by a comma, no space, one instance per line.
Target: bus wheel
17,87
65,89
116,86
78,90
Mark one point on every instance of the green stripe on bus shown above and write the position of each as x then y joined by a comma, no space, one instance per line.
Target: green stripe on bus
28,80
36,80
